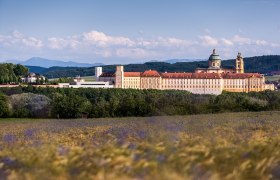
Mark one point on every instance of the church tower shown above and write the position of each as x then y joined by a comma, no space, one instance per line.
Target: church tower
119,77
214,60
239,64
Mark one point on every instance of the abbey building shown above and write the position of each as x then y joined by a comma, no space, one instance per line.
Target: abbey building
207,80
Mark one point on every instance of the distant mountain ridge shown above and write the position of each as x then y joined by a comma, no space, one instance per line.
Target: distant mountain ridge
47,63
260,64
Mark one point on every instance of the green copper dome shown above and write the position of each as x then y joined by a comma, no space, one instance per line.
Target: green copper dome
214,56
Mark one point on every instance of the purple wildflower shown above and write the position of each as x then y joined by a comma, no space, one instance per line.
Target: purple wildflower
9,138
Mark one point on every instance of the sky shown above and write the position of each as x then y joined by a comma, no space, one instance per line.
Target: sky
130,31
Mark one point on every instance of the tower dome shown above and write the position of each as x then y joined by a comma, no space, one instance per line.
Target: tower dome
214,60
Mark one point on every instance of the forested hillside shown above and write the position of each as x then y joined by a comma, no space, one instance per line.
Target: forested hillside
261,64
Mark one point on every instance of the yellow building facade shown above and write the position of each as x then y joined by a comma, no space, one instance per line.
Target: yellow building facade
211,80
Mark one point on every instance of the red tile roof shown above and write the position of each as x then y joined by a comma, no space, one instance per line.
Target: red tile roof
150,73
176,75
240,75
206,76
154,73
132,74
191,75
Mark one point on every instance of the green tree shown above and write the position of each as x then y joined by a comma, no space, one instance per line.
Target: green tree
11,79
1,79
4,108
37,80
6,79
46,80
69,106
20,70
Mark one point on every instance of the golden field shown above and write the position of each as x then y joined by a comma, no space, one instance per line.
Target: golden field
213,146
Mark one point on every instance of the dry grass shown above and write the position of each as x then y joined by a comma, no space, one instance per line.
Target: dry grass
218,146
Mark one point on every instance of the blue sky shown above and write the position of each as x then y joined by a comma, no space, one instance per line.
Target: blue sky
126,31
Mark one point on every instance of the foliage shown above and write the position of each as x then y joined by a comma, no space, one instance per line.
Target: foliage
20,70
4,108
10,73
74,103
69,106
29,105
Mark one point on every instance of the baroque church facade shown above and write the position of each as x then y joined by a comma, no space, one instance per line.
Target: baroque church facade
210,80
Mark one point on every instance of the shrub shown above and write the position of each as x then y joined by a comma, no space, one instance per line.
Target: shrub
4,108
29,105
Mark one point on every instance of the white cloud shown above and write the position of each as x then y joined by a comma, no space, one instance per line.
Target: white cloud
174,42
274,45
99,45
57,43
163,42
227,42
241,40
17,34
208,41
261,42
101,39
32,42
19,40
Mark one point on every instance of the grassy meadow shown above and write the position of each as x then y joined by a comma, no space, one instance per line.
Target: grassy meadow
86,78
214,146
272,78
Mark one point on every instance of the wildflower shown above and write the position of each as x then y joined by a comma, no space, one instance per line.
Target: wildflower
9,138
161,158
29,133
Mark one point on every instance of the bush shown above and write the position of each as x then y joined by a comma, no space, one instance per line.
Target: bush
4,107
29,105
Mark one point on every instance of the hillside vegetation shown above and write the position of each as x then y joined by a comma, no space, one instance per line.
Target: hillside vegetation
261,64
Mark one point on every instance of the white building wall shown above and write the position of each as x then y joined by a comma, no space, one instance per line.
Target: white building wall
196,86
94,84
98,72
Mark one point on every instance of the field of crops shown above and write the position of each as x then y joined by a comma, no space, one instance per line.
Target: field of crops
219,146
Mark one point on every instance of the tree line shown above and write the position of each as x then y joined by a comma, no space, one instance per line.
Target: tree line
10,73
39,102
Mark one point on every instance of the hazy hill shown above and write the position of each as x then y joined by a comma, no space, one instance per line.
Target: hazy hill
37,61
172,61
37,69
261,64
